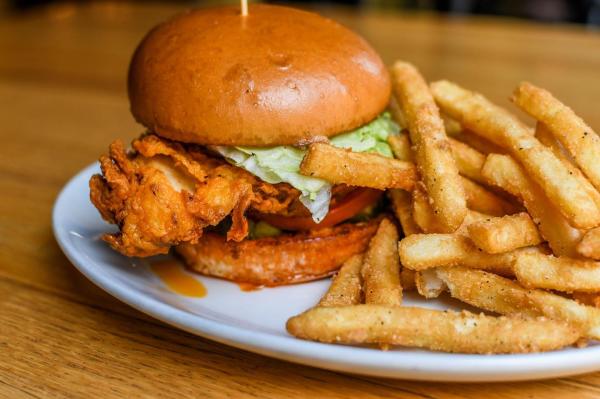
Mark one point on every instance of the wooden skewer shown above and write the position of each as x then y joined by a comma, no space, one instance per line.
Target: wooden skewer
244,5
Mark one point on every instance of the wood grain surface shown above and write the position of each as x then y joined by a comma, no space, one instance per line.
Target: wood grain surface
63,99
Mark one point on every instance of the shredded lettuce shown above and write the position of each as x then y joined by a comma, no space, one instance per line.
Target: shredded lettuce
282,164
369,138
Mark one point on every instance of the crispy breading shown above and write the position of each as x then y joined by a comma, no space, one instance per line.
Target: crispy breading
164,193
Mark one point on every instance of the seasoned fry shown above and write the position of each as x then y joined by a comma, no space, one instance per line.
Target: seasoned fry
433,154
480,200
497,235
423,212
476,113
484,201
561,274
472,217
451,126
589,246
433,329
486,291
546,138
423,251
479,143
397,113
346,287
340,166
573,133
381,267
504,172
501,295
428,283
400,144
402,207
468,160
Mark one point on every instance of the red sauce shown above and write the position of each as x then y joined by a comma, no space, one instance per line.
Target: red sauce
173,275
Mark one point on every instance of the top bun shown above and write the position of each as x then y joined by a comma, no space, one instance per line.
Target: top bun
277,76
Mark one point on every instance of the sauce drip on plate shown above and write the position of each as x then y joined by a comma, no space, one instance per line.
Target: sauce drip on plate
172,274
246,287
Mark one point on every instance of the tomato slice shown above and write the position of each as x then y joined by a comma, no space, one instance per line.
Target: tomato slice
349,206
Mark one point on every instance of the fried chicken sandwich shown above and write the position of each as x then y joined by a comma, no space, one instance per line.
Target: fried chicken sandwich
232,106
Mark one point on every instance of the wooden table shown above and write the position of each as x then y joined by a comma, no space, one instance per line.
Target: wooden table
62,100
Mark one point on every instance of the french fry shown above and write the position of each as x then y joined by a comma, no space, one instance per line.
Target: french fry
468,160
397,113
433,154
381,267
481,200
479,143
502,171
476,113
500,295
424,251
451,126
561,274
589,246
497,235
400,145
573,133
346,287
428,283
337,166
423,213
425,222
433,329
546,138
486,291
472,217
402,207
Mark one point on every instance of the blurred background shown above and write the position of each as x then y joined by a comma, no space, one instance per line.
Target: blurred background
65,62
585,12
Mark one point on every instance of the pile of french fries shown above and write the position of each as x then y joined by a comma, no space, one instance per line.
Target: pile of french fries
499,215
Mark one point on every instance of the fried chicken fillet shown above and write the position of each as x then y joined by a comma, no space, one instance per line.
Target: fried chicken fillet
164,193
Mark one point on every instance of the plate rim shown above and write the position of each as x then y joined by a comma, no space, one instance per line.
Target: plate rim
421,365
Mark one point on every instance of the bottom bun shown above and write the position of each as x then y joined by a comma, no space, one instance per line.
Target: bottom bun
285,259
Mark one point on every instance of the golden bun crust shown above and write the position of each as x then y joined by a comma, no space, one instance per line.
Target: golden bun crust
278,260
278,76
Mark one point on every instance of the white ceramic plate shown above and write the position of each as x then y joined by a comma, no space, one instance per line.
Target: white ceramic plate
255,321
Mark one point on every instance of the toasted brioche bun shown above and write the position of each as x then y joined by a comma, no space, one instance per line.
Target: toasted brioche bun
286,259
277,76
